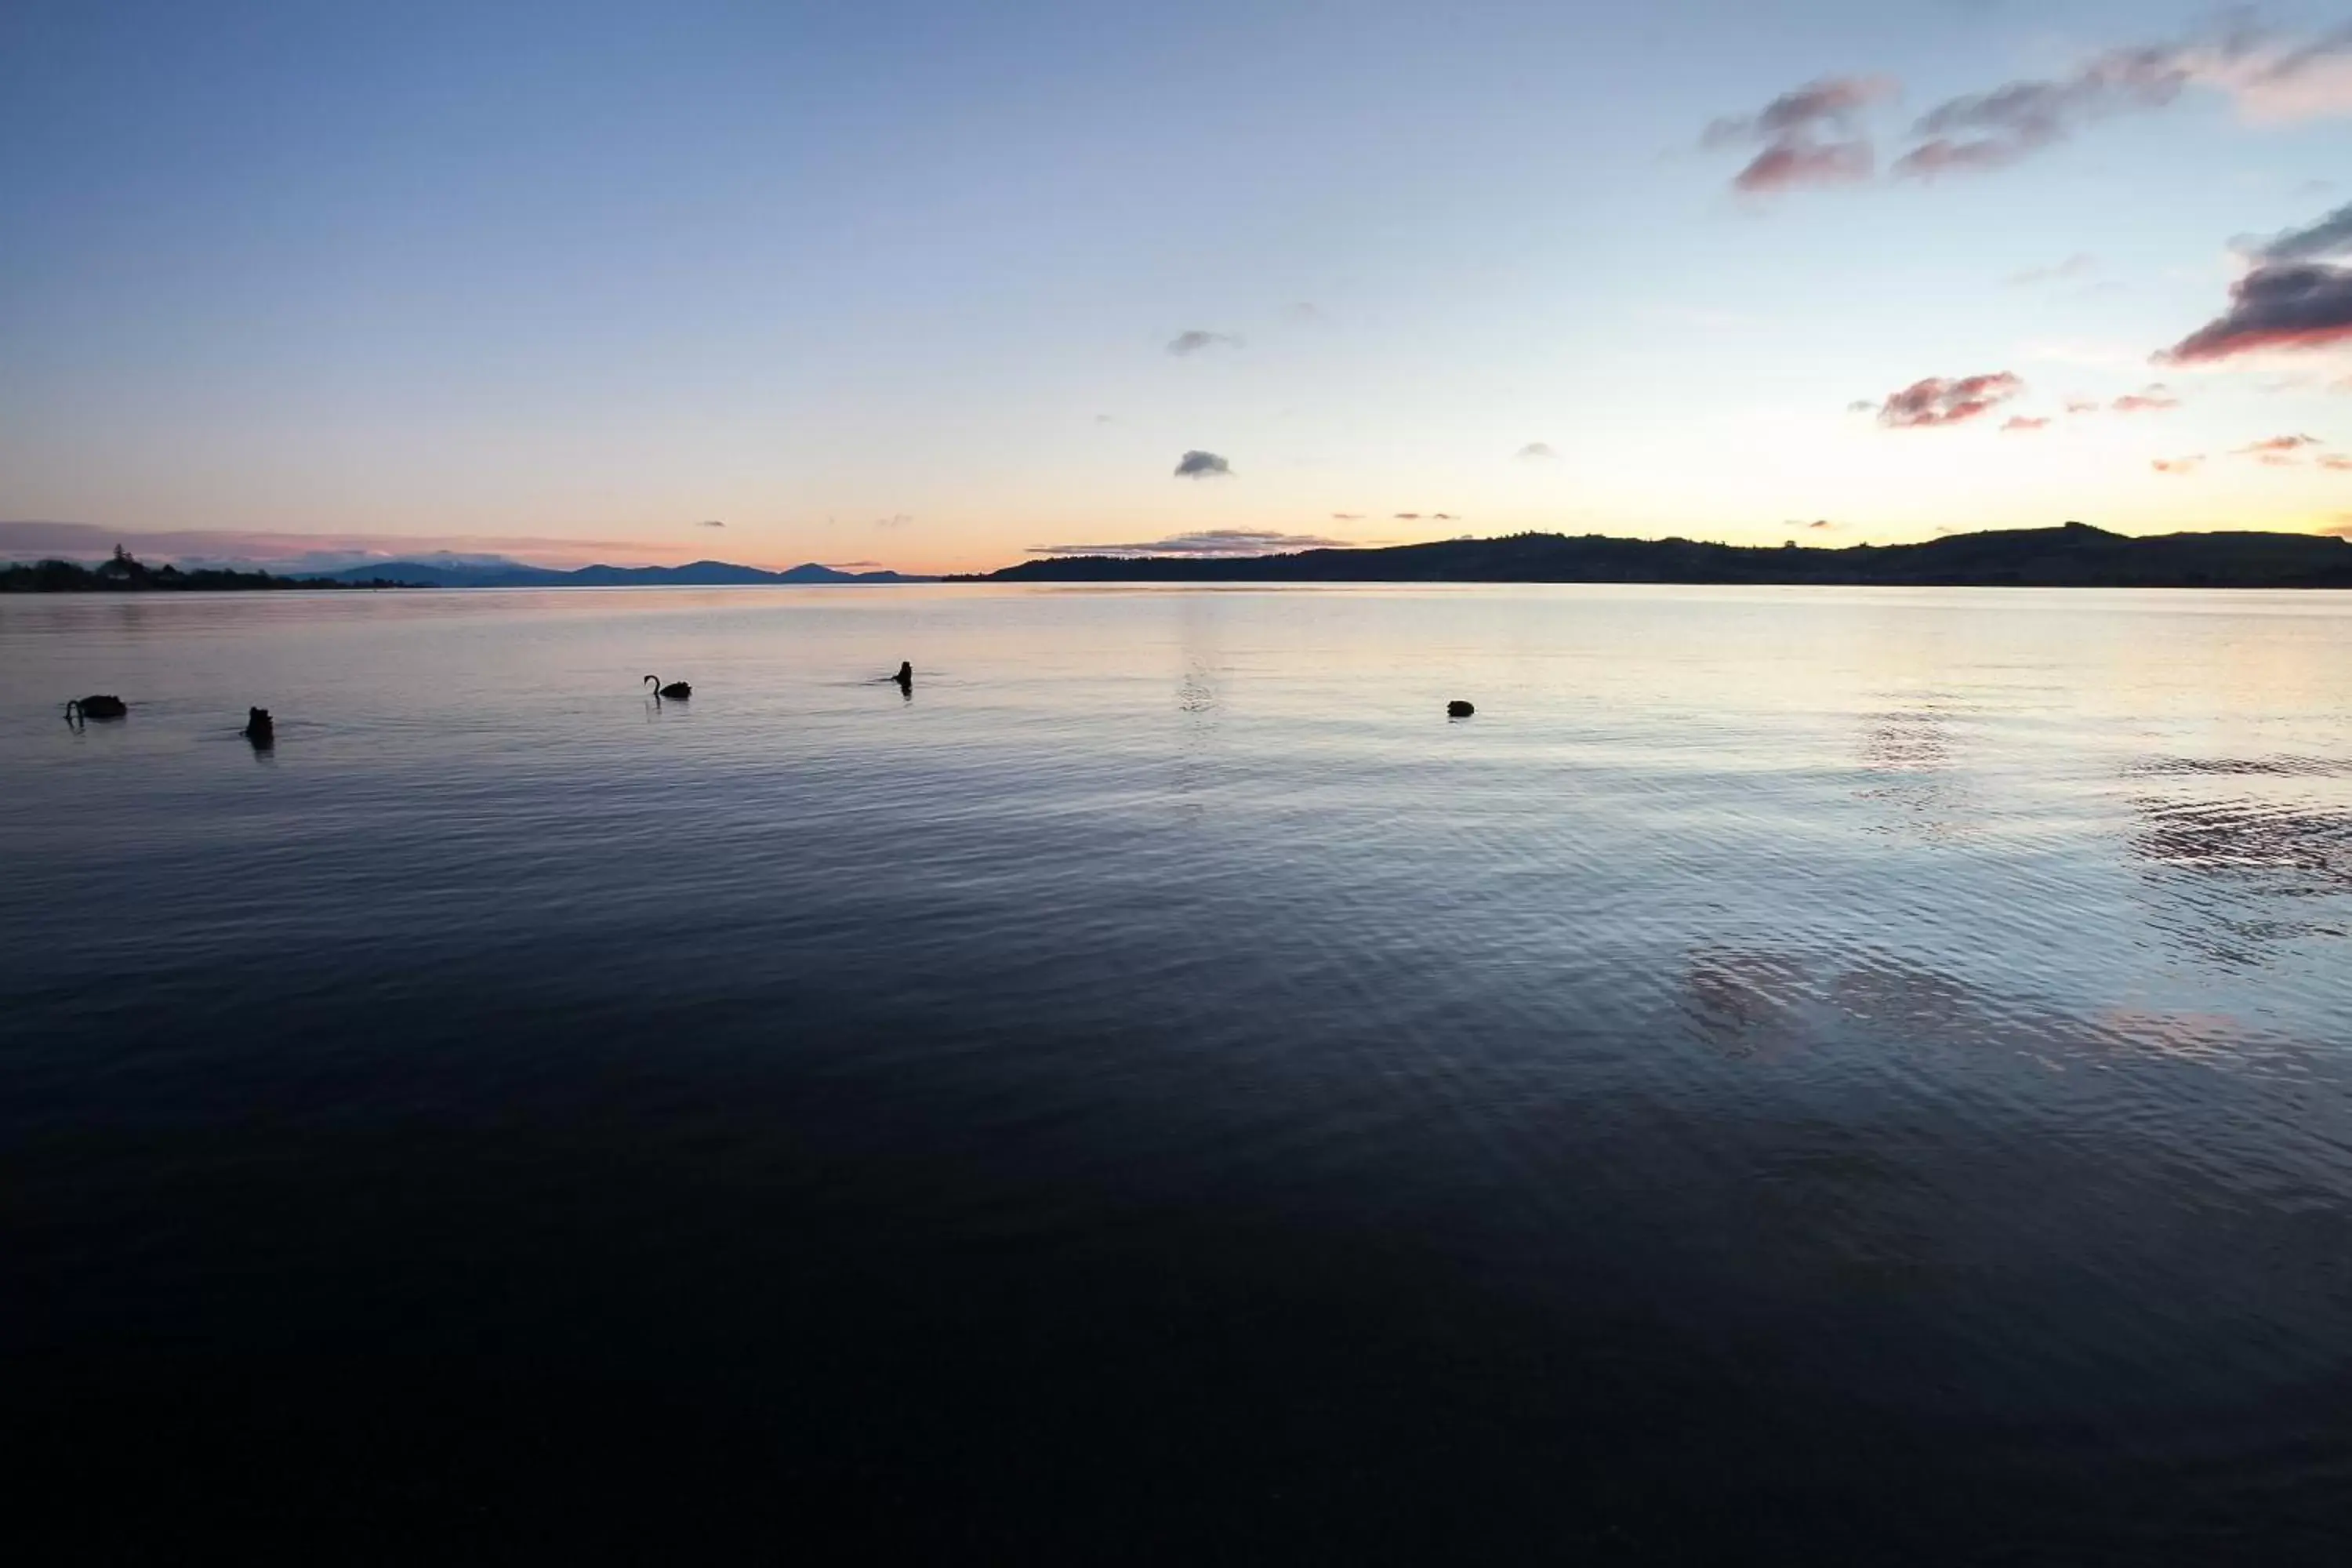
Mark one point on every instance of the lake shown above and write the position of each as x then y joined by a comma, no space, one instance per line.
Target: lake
1802,1075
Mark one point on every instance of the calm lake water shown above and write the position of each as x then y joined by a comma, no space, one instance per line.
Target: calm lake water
1802,1075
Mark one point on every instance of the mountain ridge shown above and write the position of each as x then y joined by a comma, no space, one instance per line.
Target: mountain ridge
2073,555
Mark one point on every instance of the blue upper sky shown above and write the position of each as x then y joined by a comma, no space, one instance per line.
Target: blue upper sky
934,285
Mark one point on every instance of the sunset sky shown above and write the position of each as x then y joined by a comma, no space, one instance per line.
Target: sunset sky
934,285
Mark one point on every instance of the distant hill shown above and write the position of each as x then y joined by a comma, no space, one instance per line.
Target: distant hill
2073,556
513,574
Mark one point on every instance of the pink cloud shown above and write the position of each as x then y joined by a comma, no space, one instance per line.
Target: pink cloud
2280,451
1941,156
1807,135
2019,423
1992,130
2275,81
1936,401
2177,465
1780,168
1817,133
2267,76
2153,399
1833,101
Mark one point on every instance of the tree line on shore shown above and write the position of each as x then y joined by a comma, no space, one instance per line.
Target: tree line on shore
2074,556
125,573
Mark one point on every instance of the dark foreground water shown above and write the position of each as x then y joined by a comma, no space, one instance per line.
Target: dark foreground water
1826,1077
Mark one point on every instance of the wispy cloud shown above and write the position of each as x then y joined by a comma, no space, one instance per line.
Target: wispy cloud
1202,466
1817,135
1214,541
1808,136
1782,168
2082,406
710,522
1936,401
2078,265
1985,131
1830,101
2177,464
2268,77
2277,80
2297,306
2019,423
1934,159
1347,517
1194,340
2280,451
1537,452
2153,398
895,519
2335,462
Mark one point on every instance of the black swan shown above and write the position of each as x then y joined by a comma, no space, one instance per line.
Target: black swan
257,727
905,675
96,707
679,691
1457,709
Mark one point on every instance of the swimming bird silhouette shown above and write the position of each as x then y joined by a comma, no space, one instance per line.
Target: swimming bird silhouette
259,728
905,675
1457,709
678,690
99,707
